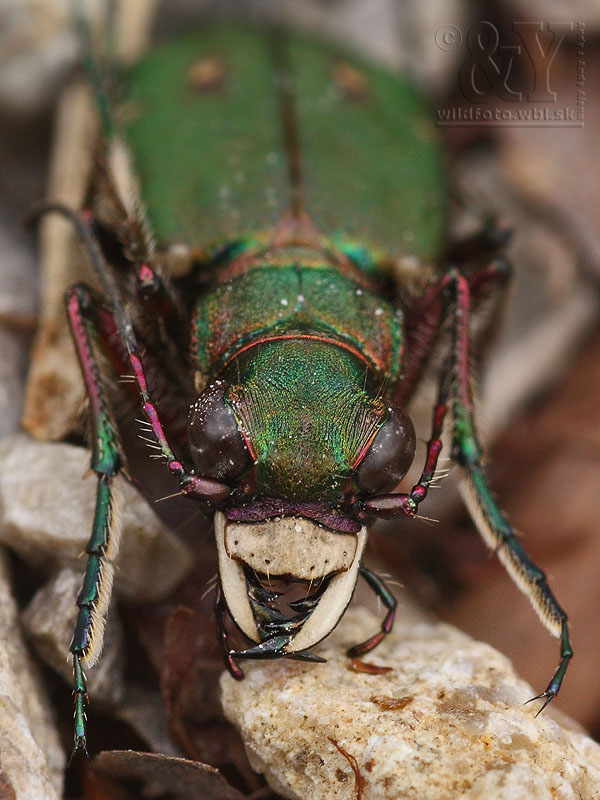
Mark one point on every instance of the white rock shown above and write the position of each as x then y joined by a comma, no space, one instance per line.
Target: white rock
447,721
46,512
49,621
31,758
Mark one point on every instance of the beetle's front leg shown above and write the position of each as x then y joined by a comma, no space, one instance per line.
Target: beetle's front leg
123,332
387,506
103,545
454,292
493,526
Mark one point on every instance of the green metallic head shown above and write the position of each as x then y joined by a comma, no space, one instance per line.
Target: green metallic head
306,417
300,419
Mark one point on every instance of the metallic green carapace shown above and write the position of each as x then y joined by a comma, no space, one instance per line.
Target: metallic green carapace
205,120
236,134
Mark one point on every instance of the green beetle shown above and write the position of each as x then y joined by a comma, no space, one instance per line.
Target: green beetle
263,223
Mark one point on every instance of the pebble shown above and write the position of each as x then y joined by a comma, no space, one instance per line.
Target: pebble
31,756
446,721
46,512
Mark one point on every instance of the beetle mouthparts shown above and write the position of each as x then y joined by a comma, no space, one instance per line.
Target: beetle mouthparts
321,512
294,550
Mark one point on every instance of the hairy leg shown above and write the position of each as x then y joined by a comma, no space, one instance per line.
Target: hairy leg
454,293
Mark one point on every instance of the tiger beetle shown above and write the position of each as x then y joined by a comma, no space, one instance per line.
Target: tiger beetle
305,193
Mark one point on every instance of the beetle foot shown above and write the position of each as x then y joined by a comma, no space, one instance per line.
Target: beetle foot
79,744
365,647
549,696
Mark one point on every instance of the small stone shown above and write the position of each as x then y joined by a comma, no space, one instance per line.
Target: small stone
447,721
49,621
32,760
46,513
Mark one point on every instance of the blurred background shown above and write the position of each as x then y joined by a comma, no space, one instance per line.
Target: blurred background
540,409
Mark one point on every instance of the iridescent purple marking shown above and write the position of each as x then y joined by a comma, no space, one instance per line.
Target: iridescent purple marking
265,508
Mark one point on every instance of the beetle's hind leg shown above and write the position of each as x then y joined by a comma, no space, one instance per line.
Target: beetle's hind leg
389,601
103,545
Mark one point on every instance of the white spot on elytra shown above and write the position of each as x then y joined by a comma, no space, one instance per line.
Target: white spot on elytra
378,312
284,301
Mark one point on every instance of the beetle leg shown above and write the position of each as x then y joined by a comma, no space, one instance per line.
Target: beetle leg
389,601
424,319
103,544
392,505
493,236
454,291
427,318
160,303
220,609
194,486
493,526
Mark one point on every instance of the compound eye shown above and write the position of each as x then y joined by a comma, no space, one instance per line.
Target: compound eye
390,455
216,443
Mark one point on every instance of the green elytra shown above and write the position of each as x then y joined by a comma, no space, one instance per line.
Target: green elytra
294,176
214,163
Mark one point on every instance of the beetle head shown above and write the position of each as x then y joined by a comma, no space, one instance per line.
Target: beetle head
315,426
300,427
302,422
